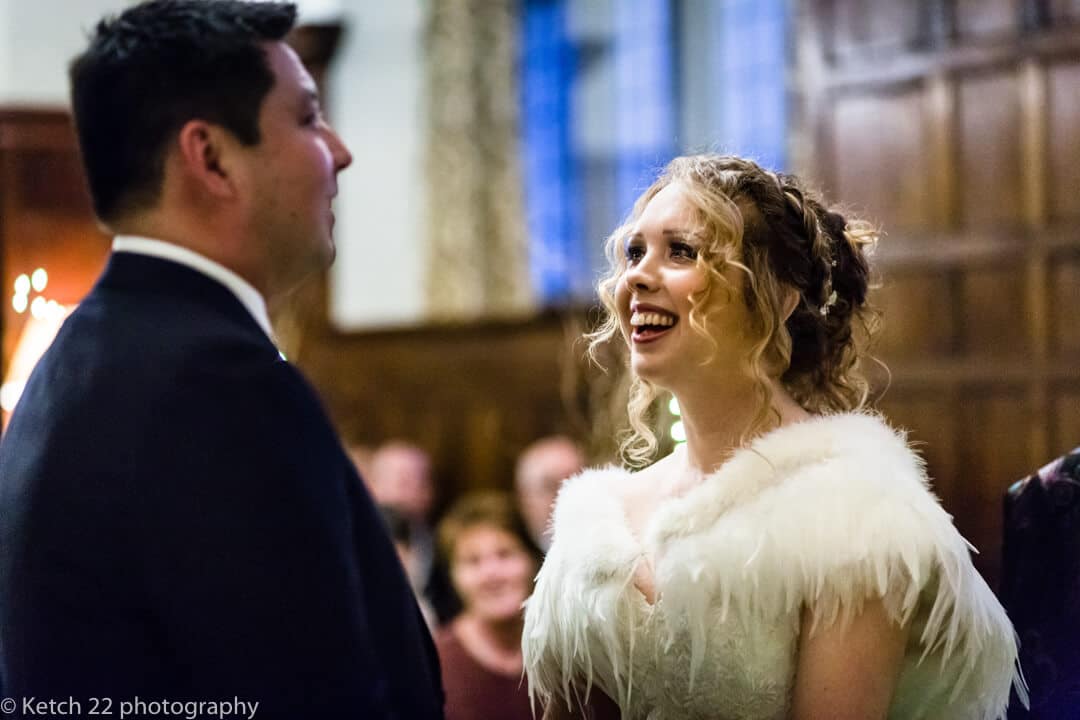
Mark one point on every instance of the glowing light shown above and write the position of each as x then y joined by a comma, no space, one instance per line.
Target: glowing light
39,307
22,284
673,407
10,392
39,279
19,302
37,334
678,432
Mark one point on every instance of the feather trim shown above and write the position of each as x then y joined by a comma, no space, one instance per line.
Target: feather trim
580,595
823,514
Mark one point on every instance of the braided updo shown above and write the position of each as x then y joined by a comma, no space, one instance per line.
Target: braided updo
783,238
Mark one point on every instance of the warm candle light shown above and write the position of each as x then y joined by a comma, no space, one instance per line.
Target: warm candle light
37,307
37,334
39,279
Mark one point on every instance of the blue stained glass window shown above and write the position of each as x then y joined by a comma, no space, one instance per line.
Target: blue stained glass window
612,89
551,206
752,102
644,95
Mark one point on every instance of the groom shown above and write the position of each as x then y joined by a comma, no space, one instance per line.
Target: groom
177,518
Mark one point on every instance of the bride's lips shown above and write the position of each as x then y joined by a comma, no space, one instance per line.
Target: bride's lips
650,322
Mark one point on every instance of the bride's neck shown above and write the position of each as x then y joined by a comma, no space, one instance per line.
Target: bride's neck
718,421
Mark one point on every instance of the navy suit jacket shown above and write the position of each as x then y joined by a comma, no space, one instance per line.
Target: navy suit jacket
178,520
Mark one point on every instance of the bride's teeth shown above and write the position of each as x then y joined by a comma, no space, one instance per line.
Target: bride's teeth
650,318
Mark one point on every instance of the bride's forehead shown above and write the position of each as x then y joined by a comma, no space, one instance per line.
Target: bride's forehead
669,209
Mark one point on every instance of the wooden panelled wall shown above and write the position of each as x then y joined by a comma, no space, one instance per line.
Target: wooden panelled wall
45,215
957,126
474,396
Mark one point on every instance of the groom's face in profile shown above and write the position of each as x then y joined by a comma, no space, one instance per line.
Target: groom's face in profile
292,173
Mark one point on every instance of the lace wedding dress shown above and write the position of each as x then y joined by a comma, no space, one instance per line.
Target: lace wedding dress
821,514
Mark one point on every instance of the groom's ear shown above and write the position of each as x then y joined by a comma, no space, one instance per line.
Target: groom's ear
206,155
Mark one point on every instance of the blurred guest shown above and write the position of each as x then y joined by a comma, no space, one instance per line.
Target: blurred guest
401,535
492,562
541,469
400,478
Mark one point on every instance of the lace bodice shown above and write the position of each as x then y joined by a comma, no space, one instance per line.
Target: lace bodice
823,514
747,673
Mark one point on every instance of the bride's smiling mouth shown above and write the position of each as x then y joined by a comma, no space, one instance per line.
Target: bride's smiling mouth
650,323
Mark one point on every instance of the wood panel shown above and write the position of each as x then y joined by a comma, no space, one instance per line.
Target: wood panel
1063,108
1066,435
1064,289
990,447
914,297
931,429
989,149
980,260
876,172
993,313
474,396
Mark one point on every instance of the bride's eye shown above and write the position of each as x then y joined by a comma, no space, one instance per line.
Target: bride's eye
684,250
634,253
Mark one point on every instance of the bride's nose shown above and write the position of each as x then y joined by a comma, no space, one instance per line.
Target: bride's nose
642,276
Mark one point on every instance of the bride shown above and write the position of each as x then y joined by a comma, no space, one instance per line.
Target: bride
789,561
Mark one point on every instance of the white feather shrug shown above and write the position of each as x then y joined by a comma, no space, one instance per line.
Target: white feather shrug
821,514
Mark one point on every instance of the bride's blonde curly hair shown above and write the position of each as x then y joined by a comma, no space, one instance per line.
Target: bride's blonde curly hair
782,237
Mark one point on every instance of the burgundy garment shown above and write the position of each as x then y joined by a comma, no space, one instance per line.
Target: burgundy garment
475,693
1041,587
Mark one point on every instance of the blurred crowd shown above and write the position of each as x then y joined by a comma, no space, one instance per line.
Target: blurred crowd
472,568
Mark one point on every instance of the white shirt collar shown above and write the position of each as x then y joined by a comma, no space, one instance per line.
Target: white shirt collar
248,296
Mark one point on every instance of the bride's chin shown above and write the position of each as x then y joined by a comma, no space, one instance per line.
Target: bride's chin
650,371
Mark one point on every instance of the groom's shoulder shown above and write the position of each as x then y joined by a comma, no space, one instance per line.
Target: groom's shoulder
128,356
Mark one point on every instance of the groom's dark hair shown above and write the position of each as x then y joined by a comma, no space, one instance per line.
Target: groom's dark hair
157,66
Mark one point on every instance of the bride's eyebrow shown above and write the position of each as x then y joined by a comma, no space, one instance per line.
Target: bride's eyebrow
685,235
668,233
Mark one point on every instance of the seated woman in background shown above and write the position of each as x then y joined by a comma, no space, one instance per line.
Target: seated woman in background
492,562
789,561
